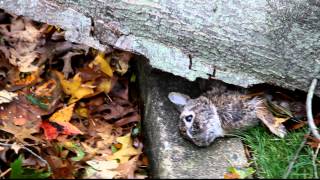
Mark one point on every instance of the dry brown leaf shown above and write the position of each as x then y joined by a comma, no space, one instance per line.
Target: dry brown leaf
61,169
67,69
16,147
22,134
29,34
23,60
114,110
121,62
135,117
270,121
21,119
46,89
127,170
102,169
312,141
121,89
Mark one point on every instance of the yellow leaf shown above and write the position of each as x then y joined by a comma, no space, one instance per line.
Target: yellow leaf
74,87
105,86
100,61
63,115
22,79
126,151
83,112
279,121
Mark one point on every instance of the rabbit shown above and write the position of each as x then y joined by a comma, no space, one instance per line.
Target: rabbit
221,111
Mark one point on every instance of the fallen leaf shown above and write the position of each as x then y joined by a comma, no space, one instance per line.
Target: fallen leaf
312,141
126,151
102,63
19,80
74,88
63,115
69,129
83,112
23,61
101,169
6,97
59,123
67,69
102,165
46,89
135,117
37,101
19,172
50,131
278,110
238,173
89,74
61,168
121,89
270,121
120,61
279,121
16,147
75,148
104,86
21,119
21,133
28,34
127,170
113,110
231,176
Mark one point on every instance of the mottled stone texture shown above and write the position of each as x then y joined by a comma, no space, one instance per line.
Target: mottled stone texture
172,156
240,42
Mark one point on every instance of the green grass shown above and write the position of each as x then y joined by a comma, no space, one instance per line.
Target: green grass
271,155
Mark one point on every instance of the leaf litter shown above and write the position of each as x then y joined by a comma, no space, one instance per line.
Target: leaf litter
68,104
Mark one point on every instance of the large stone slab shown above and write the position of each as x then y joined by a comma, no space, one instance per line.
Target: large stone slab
172,156
240,42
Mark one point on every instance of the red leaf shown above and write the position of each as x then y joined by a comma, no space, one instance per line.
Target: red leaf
50,131
69,129
53,129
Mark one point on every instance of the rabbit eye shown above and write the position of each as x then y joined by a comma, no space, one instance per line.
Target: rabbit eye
188,118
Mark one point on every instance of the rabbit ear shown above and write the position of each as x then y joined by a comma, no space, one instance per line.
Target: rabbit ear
178,98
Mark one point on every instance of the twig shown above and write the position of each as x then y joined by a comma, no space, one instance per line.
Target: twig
314,157
31,152
311,123
4,173
295,157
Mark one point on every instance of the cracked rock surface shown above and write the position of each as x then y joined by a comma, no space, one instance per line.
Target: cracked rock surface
239,42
